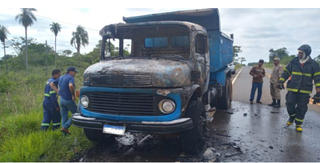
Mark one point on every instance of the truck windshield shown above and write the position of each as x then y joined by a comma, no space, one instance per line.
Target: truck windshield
154,41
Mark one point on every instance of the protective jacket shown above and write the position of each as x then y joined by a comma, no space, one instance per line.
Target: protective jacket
50,94
301,76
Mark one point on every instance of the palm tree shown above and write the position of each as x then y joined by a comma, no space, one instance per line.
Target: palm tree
55,28
3,36
26,18
80,37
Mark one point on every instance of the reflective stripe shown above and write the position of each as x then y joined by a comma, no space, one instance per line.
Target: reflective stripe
292,115
299,120
307,74
47,82
47,95
304,91
296,73
45,124
317,73
300,73
55,124
296,90
52,92
287,71
282,79
292,90
318,84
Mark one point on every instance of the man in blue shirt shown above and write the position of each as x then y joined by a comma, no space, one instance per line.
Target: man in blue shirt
51,109
67,97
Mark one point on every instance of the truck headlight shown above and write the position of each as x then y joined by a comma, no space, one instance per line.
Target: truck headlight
167,106
84,101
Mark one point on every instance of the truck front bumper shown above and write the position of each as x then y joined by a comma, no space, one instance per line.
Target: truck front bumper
167,127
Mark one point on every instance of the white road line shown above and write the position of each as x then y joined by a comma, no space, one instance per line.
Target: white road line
237,75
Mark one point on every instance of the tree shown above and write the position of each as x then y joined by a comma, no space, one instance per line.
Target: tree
317,58
3,36
80,37
236,50
242,59
67,52
281,53
55,28
26,18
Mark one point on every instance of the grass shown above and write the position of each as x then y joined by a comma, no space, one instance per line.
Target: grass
21,114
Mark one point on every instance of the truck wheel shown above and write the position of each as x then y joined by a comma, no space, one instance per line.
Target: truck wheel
98,136
224,102
191,140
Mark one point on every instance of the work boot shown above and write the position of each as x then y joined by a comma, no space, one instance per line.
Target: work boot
259,102
277,105
65,131
251,102
290,121
299,128
273,102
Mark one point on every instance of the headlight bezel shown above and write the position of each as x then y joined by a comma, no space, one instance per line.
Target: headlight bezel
84,97
161,106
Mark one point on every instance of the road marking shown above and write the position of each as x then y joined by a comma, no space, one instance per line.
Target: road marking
236,76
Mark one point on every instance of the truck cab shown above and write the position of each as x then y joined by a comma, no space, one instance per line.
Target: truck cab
166,85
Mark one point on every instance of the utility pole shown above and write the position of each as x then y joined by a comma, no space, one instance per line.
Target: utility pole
46,59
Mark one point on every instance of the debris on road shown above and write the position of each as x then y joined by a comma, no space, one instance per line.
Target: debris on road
209,154
229,112
275,112
223,135
245,114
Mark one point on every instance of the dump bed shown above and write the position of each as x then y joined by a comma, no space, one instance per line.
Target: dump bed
221,45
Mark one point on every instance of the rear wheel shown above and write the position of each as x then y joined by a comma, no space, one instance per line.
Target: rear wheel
192,139
98,136
224,102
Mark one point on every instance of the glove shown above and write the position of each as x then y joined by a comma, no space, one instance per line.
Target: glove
280,86
316,98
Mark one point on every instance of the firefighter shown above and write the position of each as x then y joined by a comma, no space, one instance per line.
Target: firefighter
275,76
51,109
302,70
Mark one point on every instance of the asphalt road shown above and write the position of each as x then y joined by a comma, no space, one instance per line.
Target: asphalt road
247,132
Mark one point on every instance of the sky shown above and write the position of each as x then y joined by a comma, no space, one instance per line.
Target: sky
256,28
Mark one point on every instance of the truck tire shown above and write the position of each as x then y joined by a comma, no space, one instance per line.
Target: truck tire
98,136
192,140
224,102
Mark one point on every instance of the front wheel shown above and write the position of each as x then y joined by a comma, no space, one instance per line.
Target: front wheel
224,102
192,139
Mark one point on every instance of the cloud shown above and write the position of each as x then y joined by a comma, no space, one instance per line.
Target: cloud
256,30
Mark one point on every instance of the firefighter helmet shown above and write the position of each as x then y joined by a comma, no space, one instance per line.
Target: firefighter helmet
306,49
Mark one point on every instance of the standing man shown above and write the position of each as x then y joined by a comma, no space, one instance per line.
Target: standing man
258,73
67,97
275,76
303,70
51,109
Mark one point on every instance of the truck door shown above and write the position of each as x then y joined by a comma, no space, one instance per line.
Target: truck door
202,58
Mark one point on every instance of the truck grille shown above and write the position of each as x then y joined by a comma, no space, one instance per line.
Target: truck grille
123,103
121,80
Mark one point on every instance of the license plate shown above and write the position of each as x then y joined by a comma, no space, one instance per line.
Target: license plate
115,130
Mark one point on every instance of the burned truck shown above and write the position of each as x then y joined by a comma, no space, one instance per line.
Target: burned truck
171,83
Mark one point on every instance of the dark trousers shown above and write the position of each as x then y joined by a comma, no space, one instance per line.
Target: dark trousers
50,114
297,106
256,86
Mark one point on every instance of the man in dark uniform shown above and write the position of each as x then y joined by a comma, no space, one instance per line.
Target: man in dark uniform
303,70
51,109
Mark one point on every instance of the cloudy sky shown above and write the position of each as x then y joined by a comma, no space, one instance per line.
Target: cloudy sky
256,30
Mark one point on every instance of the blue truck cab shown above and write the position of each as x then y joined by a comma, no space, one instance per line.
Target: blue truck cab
174,78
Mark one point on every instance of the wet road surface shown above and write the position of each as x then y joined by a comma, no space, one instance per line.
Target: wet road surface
246,132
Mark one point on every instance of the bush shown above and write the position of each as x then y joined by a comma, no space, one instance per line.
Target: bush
5,84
